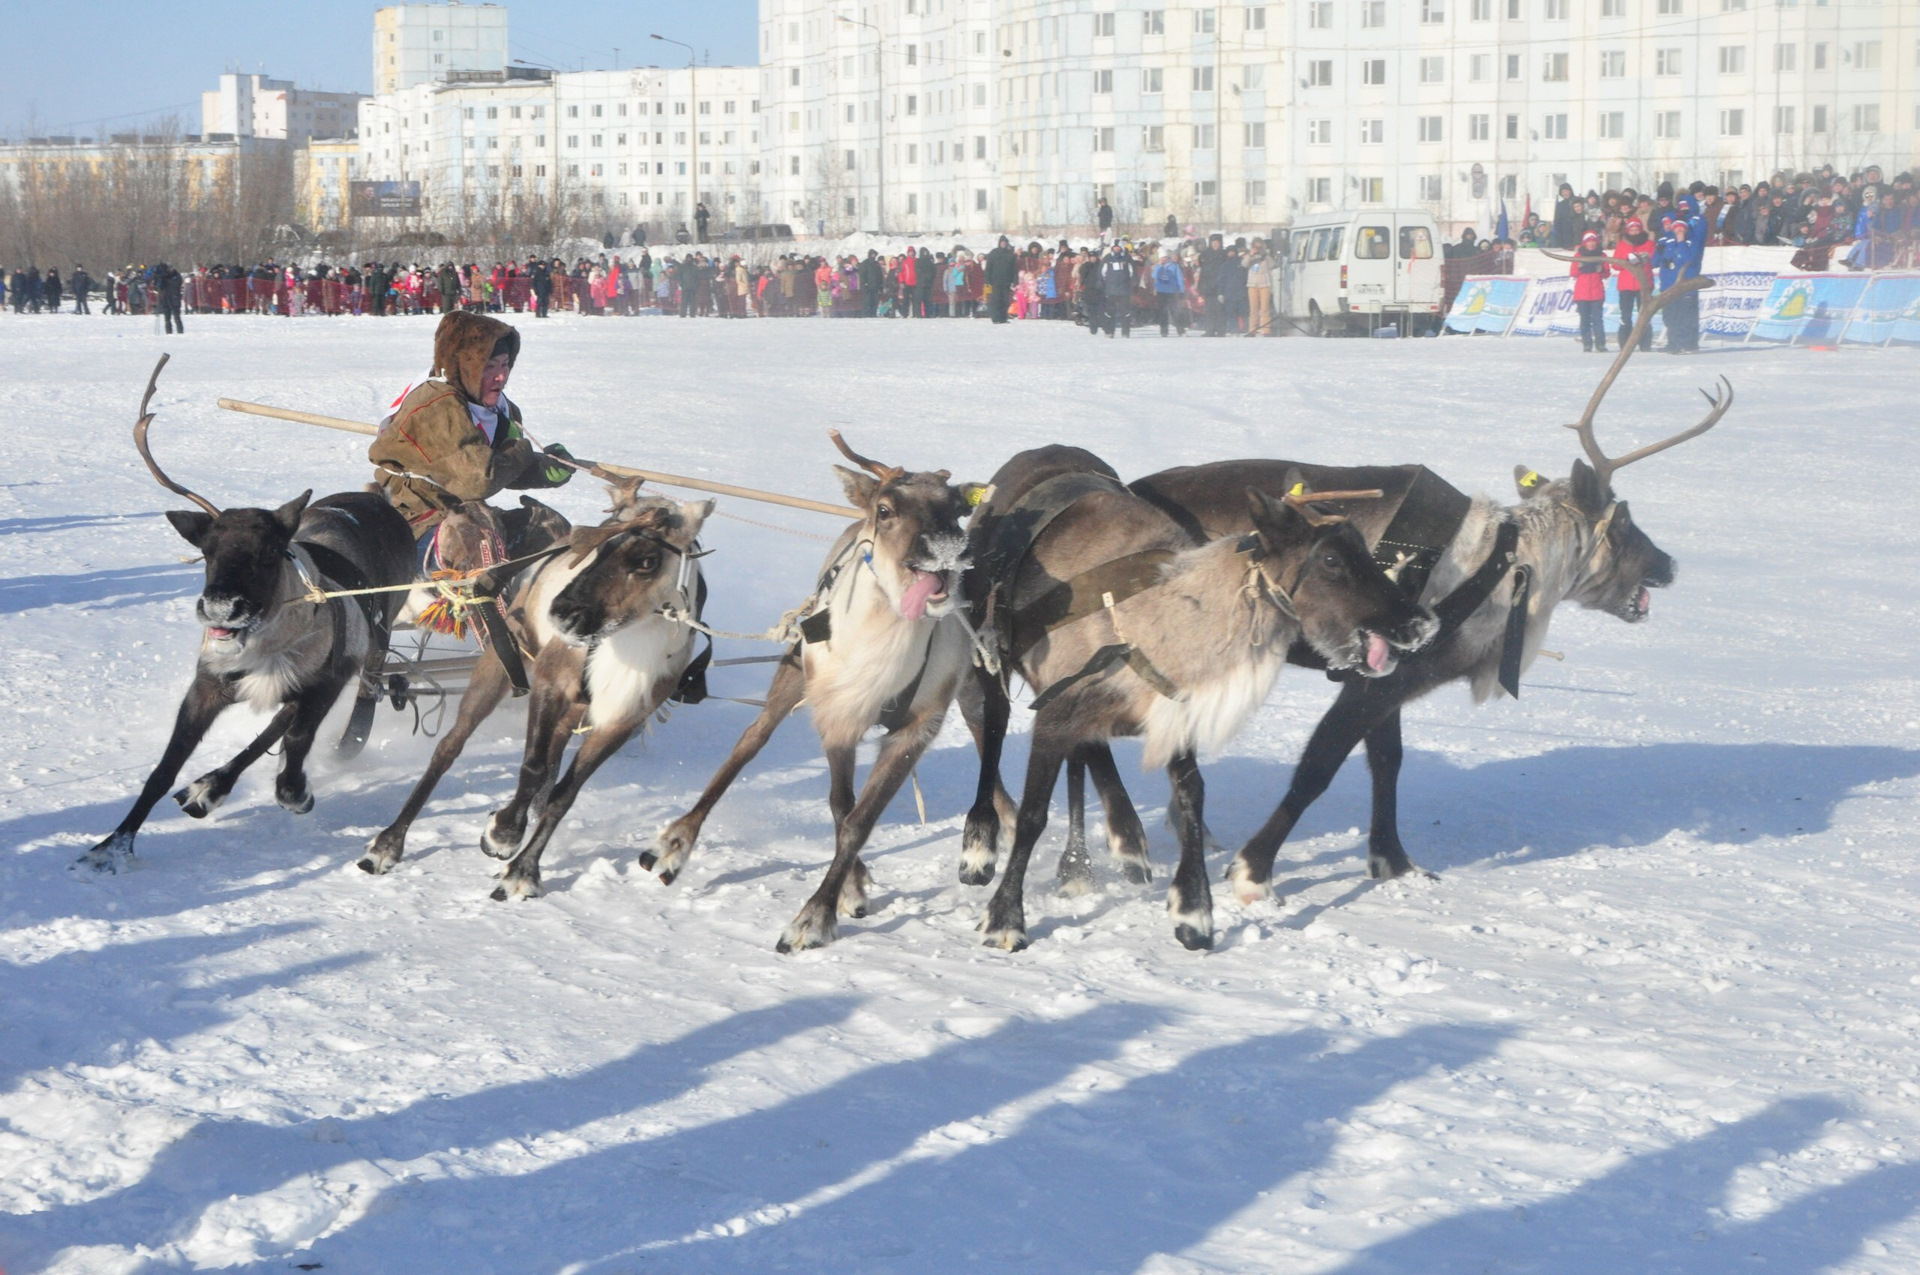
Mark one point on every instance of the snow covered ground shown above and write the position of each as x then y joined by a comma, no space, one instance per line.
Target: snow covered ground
1659,1011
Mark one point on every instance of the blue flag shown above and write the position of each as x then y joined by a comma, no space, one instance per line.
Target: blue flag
1500,227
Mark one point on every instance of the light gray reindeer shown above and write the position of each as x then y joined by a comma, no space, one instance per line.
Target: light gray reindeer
884,648
266,641
605,658
1123,626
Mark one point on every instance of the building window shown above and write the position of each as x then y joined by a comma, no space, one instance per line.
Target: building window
1256,194
573,112
1613,64
1152,22
1433,11
979,201
1666,124
598,110
1203,79
1319,73
1430,127
1481,11
1554,67
1254,135
1253,77
1102,26
1554,128
1866,117
1320,15
1513,128
596,140
1513,66
1733,59
1556,10
1320,190
1373,190
1819,119
1613,124
1373,132
1203,137
1103,79
1373,71
1613,8
1479,128
1783,119
1373,13
1733,122
1204,190
1820,57
1153,138
1151,79
1433,70
1430,187
1102,138
1866,55
1666,62
1257,21
1203,21
1480,68
1319,132
1784,56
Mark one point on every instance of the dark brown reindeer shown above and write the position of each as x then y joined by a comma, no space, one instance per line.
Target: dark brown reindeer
883,648
604,659
1124,626
267,642
1495,578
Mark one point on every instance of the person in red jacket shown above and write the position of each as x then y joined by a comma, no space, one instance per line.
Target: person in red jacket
1635,245
1590,271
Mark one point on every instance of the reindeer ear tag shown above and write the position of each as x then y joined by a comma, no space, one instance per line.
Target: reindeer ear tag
1530,479
1299,490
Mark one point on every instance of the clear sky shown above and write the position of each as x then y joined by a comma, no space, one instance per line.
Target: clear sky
91,66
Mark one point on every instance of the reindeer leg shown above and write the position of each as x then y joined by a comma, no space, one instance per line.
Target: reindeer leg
840,802
676,840
815,926
290,788
550,724
1075,874
205,700
1005,923
1386,857
1189,898
204,795
521,878
980,844
1126,839
484,693
1352,717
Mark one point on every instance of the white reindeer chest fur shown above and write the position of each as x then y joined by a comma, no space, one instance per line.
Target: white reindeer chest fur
1206,716
874,655
625,666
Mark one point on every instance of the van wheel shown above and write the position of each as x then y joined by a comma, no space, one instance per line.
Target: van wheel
1316,321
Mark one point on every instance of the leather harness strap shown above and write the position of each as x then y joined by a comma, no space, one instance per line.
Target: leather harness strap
1094,589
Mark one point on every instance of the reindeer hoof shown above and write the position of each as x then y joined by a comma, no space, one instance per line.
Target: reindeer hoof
814,927
1136,871
109,855
977,853
201,797
1245,889
1385,867
515,888
494,842
647,860
1007,940
1192,938
297,803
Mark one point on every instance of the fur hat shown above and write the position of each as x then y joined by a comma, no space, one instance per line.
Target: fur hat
464,342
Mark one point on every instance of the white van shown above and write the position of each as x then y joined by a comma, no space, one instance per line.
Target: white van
1359,271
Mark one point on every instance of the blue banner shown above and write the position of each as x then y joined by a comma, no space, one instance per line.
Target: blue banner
1486,303
1890,311
1808,308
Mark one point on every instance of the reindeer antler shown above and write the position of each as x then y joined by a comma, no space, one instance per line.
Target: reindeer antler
885,473
1606,466
1303,500
146,453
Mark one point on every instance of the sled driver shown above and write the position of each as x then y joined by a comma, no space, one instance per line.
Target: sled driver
454,441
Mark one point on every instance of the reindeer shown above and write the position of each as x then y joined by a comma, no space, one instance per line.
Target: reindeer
1124,626
266,641
605,658
884,647
1571,540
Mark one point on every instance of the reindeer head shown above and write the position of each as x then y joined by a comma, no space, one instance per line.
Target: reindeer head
911,530
632,568
1350,612
1622,563
246,552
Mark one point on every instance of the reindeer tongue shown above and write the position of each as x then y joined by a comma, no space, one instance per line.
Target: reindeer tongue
914,604
1377,653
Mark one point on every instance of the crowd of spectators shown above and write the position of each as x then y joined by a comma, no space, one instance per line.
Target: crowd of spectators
1861,222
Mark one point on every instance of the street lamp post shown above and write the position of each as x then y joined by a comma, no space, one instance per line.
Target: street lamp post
693,123
880,68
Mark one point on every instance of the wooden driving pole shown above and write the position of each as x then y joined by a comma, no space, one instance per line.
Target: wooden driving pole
624,471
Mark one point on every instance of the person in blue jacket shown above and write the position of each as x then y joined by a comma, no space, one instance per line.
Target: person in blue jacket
1676,262
1169,293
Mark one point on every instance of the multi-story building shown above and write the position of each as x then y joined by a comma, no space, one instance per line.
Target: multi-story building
416,44
322,171
921,115
624,147
255,106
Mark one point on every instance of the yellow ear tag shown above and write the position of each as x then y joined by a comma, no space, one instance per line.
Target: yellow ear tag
1299,489
975,494
1532,479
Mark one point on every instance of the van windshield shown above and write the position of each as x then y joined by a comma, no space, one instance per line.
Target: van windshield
1373,243
1415,243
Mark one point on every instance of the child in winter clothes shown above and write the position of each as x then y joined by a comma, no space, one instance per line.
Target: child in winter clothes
1590,271
1635,245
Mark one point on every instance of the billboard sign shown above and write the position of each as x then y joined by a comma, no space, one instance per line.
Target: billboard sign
383,199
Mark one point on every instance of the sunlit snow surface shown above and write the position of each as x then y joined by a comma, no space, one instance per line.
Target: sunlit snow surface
1660,1011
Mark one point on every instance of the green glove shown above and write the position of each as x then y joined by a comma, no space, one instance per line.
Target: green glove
555,473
